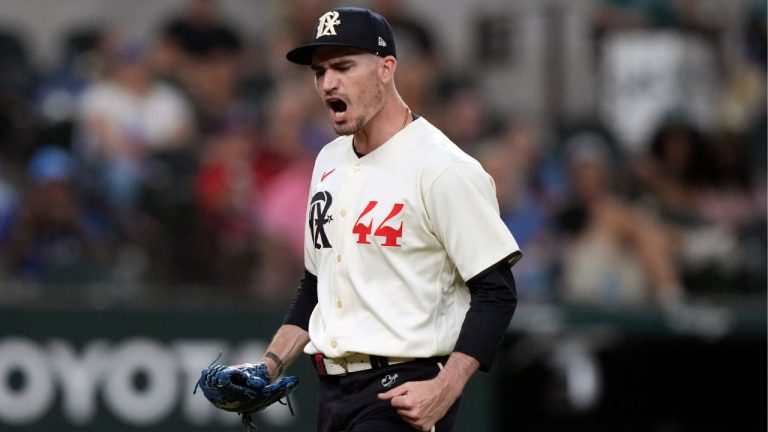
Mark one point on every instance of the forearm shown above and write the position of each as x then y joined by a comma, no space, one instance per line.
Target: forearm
287,344
456,373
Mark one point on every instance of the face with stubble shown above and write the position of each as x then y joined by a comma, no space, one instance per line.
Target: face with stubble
349,83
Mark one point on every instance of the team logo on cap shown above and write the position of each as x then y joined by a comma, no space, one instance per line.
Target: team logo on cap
327,24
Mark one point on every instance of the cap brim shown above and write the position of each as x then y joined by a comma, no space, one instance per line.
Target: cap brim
303,55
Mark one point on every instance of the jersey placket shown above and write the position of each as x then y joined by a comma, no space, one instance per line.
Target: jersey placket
348,188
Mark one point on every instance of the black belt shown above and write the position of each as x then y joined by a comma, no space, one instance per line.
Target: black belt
361,362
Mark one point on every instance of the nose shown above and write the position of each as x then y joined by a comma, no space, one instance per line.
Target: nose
329,81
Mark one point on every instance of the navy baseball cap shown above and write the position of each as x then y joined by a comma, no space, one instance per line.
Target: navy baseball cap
348,27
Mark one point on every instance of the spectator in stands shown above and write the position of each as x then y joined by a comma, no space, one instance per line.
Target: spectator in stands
462,114
705,188
188,34
53,237
677,166
17,77
287,155
516,162
8,203
251,192
124,119
225,195
83,61
285,31
418,53
735,198
732,212
614,253
212,80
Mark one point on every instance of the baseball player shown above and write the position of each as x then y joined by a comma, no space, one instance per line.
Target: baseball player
408,287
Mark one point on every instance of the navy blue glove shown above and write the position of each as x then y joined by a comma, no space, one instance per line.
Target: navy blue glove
243,388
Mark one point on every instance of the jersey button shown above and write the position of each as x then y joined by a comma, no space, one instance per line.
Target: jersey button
334,344
338,258
355,169
338,304
343,213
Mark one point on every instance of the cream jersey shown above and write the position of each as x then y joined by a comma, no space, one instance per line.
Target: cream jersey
392,237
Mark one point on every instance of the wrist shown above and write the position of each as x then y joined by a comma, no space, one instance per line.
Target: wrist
274,365
448,386
451,382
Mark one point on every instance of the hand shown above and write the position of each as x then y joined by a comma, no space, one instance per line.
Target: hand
422,403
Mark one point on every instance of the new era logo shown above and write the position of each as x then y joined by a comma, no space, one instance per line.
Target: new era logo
382,42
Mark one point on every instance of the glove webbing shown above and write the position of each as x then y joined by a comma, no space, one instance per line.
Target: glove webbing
197,384
247,418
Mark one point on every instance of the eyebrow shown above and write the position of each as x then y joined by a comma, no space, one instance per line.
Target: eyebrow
342,62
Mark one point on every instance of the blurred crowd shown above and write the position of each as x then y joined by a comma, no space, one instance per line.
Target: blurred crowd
180,160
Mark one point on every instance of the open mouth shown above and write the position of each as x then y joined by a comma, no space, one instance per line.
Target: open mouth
337,106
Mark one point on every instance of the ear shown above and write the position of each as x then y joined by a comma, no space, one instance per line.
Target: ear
387,67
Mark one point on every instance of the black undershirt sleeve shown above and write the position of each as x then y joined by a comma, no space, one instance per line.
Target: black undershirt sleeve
303,303
492,304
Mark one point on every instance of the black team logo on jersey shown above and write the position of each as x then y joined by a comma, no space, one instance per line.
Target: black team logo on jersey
318,217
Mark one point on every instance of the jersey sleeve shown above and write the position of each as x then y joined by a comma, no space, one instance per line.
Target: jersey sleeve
462,206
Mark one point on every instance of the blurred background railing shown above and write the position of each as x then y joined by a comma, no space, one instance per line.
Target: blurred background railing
155,158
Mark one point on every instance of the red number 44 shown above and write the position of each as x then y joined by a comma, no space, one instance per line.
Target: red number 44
389,233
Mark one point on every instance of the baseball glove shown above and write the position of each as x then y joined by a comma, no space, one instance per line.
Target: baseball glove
243,389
